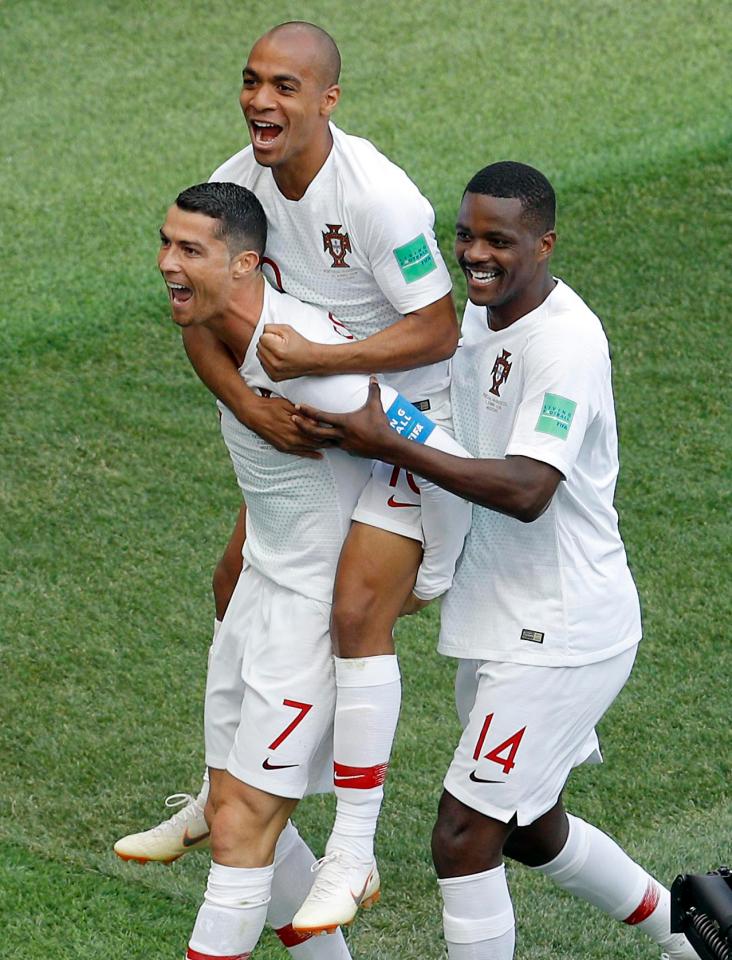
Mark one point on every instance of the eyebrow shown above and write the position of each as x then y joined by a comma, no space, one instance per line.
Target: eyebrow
502,234
278,78
184,242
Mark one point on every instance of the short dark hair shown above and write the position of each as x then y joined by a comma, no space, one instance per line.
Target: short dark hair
507,178
242,223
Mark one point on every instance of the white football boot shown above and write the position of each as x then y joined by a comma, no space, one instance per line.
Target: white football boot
184,831
342,884
678,948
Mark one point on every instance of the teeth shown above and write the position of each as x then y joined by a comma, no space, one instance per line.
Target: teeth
263,123
483,275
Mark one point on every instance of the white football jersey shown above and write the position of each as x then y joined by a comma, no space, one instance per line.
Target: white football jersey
360,243
557,591
298,509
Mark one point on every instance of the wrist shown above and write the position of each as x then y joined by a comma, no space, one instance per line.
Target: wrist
324,360
245,408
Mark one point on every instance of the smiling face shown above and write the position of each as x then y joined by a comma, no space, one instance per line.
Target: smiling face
287,99
196,265
503,256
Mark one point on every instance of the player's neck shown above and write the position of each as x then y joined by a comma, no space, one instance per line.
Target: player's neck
237,323
294,177
529,300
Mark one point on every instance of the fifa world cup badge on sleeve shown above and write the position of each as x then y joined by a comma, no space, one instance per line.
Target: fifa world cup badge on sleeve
415,259
408,421
556,416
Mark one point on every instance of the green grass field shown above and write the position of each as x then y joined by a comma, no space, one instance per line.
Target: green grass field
116,494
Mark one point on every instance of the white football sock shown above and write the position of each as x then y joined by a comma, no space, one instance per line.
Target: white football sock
290,885
232,915
368,698
592,866
477,916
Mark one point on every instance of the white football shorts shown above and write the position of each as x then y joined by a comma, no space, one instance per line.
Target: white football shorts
270,690
524,729
391,498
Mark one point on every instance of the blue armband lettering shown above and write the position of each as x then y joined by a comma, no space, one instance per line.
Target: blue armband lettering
408,421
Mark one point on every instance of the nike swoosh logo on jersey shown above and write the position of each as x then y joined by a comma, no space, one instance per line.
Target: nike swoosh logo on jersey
266,765
391,502
189,841
481,780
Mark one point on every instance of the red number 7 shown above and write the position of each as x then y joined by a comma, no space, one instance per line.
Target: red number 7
303,708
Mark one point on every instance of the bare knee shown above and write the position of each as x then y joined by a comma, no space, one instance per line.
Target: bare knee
353,625
540,841
375,576
245,825
464,841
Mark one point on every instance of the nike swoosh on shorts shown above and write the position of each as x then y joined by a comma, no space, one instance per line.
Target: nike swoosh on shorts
481,780
391,502
266,765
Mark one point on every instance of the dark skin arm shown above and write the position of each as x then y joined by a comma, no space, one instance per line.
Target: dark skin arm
518,486
425,336
269,417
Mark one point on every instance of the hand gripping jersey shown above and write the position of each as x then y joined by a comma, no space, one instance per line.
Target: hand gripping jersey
299,509
557,591
360,243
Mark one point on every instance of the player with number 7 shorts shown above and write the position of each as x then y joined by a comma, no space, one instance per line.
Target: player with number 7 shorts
270,691
347,230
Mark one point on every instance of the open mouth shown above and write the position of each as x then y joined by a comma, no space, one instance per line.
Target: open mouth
179,293
263,132
481,278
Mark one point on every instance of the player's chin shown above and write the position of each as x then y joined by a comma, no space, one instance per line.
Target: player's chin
181,318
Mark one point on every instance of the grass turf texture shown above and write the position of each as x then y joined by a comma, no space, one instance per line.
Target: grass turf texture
116,494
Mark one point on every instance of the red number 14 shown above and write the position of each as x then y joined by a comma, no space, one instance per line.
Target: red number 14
505,753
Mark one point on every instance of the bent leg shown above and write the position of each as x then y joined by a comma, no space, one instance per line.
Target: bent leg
376,573
375,576
592,866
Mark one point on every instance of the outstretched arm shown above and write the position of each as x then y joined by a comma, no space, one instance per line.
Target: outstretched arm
424,336
518,486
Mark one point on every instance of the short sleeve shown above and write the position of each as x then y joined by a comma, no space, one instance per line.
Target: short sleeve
397,229
564,370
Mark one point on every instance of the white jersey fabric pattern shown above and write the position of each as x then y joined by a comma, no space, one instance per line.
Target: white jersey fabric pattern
556,591
360,243
299,509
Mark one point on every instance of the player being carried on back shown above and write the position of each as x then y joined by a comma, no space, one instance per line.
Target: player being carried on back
350,231
270,688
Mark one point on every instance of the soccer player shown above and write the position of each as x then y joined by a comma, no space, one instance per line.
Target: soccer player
350,231
270,688
543,613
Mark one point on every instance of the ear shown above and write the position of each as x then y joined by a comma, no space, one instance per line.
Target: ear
244,263
545,244
329,100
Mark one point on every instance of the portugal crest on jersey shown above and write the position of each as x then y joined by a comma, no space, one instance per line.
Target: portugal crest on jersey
500,372
337,244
